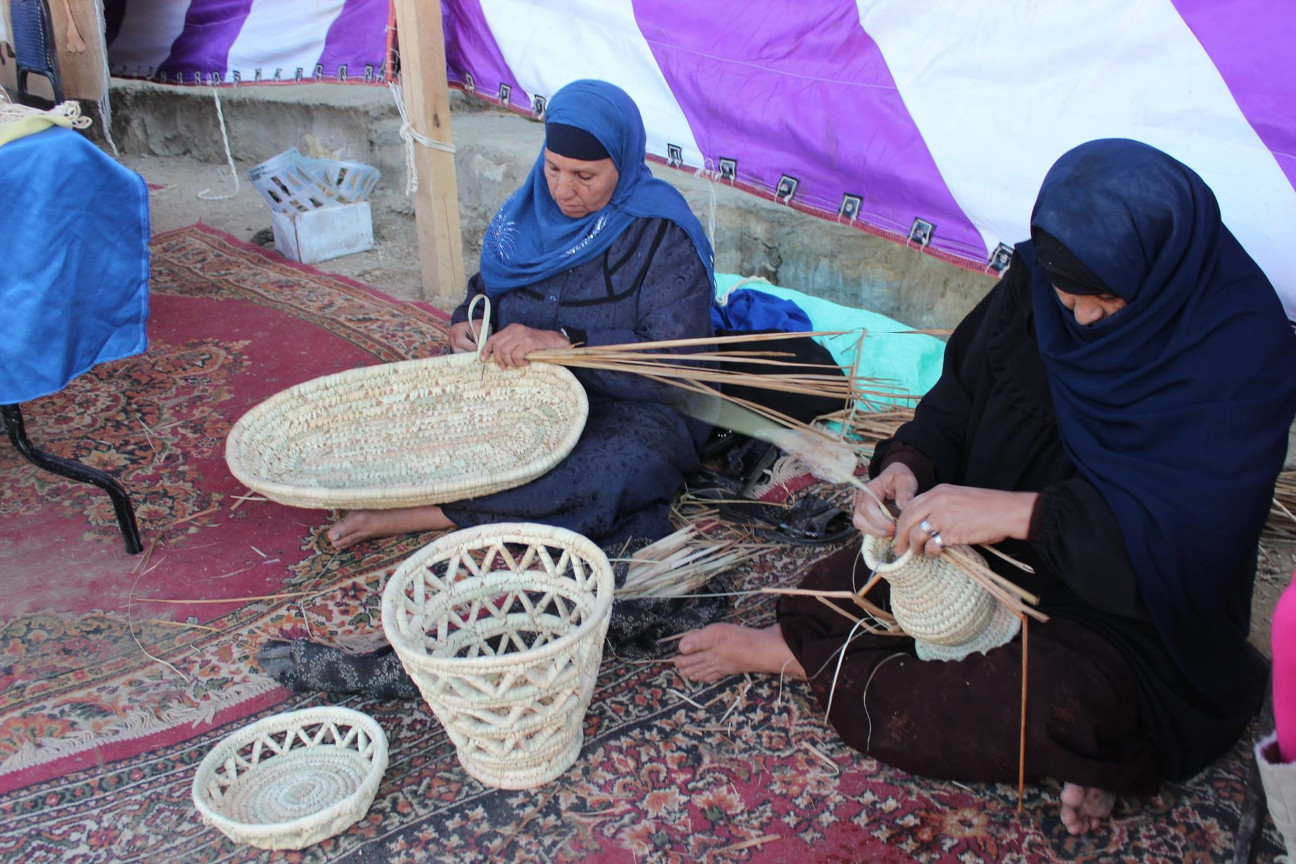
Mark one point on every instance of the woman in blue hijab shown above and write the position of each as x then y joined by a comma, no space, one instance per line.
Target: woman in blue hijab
592,250
1114,413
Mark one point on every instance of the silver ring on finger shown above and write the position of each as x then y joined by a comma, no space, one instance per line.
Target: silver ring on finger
927,527
936,538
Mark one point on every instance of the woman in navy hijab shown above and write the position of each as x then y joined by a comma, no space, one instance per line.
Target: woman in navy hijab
1114,413
590,250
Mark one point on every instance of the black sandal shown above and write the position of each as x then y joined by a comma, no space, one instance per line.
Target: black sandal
812,521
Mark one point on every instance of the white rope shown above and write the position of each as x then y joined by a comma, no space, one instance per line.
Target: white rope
409,135
229,157
105,108
710,176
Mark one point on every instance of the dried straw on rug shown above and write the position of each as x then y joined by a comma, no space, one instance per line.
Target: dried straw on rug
741,770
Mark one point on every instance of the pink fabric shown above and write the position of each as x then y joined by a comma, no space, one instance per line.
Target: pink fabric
1284,671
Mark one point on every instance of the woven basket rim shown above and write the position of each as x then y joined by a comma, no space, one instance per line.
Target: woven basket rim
324,497
283,722
873,544
507,532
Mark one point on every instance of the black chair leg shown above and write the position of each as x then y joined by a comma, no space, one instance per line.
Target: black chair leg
13,424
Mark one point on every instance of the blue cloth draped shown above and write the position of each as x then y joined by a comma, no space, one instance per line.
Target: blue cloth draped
746,310
1177,407
74,264
530,239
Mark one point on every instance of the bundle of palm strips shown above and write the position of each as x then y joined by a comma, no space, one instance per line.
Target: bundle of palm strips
706,371
681,563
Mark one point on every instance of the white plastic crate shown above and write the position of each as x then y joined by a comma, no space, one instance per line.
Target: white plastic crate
329,232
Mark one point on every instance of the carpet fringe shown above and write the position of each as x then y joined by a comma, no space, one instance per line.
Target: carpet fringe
137,723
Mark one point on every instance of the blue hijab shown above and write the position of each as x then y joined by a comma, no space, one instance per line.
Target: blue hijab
530,239
1177,407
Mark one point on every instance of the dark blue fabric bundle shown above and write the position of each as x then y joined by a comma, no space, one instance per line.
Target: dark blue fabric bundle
1177,407
530,239
745,310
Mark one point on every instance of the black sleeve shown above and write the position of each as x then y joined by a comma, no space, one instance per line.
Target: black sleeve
1077,537
940,423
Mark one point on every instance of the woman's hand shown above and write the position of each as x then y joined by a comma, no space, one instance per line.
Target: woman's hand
510,346
462,339
896,483
962,515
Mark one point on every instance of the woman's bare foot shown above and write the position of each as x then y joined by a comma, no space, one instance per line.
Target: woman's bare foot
363,524
1084,808
718,650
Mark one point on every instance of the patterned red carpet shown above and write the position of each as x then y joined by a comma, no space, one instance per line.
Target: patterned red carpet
120,672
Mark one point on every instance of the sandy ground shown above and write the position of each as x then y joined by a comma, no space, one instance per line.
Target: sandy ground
1277,564
391,266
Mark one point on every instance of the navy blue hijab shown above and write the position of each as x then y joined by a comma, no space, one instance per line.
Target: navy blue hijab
530,239
1176,407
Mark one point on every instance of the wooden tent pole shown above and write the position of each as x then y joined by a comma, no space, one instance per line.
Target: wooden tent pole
427,101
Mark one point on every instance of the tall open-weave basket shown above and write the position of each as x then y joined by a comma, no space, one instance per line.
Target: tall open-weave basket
408,434
933,600
291,780
502,628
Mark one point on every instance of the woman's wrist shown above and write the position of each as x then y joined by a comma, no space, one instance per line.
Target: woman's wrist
1023,512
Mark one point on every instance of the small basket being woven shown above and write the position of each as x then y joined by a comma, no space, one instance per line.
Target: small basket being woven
293,779
942,607
408,434
502,628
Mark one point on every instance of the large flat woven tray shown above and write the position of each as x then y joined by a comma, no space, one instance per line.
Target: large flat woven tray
408,434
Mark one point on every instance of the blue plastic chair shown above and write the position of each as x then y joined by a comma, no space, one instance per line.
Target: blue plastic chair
33,35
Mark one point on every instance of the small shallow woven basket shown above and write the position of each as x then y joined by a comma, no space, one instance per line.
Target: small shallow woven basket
945,610
293,779
408,434
502,627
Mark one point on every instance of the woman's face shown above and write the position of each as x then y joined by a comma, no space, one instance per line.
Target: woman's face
1090,308
579,188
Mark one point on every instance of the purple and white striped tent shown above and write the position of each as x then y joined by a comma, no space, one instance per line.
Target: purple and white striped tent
931,122
237,41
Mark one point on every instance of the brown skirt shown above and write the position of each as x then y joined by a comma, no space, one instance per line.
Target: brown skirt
961,720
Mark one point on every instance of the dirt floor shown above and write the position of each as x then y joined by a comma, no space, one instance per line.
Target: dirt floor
1277,565
193,191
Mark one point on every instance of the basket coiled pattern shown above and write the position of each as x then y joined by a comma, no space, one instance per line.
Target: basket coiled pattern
291,780
947,613
408,434
502,627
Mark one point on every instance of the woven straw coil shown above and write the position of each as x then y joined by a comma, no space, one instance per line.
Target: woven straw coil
502,627
945,610
408,434
293,779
